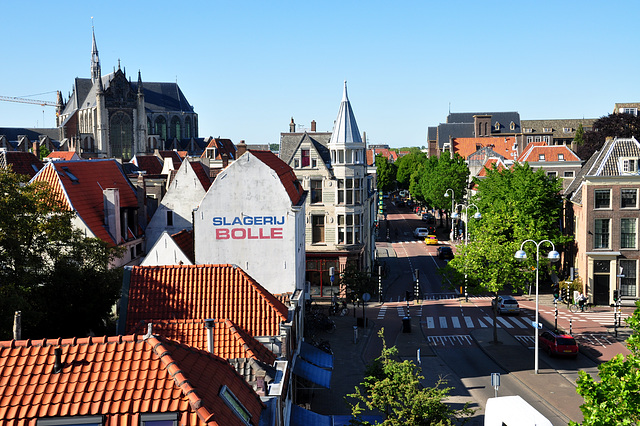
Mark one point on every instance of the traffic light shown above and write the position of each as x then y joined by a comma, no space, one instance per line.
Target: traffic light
615,295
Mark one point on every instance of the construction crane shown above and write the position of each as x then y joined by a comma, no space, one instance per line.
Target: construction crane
27,101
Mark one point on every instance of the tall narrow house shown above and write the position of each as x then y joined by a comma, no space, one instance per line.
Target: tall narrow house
340,212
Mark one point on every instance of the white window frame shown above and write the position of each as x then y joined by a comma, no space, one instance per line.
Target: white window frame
595,199
158,417
560,157
74,420
597,243
621,198
634,245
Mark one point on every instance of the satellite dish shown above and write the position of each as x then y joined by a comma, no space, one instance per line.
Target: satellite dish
366,297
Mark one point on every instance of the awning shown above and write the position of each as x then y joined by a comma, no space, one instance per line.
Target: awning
302,417
310,372
316,356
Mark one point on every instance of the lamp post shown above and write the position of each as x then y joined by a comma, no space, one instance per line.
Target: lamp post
465,220
552,256
453,198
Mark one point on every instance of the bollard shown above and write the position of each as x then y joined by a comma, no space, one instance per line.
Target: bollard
570,326
355,334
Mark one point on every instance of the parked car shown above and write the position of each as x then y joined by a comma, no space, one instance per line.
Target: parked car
429,218
420,233
445,252
431,229
431,240
505,305
558,344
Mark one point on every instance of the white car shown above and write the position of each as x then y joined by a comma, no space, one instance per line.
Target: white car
421,233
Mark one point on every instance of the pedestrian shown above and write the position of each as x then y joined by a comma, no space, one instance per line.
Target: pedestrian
580,300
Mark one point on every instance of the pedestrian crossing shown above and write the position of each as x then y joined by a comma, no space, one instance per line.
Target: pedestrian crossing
602,318
458,322
451,340
441,296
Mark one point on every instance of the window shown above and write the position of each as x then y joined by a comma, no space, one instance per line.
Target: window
560,157
602,198
316,191
512,126
296,163
552,174
529,139
632,111
317,231
496,126
568,174
567,130
75,421
537,139
628,283
346,191
314,163
601,234
628,233
628,198
547,130
629,165
349,228
230,399
159,419
169,218
304,158
541,157
546,139
528,130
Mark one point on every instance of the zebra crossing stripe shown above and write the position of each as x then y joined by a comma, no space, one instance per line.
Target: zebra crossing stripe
490,321
469,322
443,322
456,322
505,322
430,323
481,323
518,323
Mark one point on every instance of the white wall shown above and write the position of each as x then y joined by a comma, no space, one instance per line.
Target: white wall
165,252
247,219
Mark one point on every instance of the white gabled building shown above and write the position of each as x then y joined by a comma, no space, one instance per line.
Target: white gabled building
340,208
253,217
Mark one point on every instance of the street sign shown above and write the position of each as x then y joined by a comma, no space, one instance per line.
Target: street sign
495,382
366,297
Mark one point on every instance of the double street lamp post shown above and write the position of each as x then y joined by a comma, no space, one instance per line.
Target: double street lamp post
552,256
465,220
453,200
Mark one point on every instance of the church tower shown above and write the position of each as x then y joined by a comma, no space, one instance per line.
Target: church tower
95,59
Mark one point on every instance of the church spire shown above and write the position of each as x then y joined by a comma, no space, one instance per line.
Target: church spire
95,59
345,129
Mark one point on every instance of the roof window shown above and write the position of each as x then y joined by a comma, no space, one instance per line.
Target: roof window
71,176
236,406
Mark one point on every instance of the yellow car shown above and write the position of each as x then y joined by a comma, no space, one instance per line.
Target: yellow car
431,240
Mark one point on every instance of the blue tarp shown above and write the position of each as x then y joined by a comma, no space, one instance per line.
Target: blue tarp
313,373
302,417
316,356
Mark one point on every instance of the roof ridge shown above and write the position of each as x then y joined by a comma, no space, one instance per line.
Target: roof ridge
70,341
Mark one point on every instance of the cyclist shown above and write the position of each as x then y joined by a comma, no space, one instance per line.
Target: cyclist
581,299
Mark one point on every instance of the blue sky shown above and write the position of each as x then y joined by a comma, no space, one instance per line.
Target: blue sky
248,67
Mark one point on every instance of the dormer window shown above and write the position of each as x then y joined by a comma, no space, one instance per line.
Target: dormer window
567,130
496,126
541,157
632,111
547,130
512,126
628,165
560,157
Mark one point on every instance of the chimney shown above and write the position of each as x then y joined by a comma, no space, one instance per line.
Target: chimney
241,149
225,160
111,197
57,366
35,149
141,196
17,326
292,126
313,125
209,324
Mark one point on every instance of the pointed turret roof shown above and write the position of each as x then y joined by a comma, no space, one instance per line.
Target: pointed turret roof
345,129
95,59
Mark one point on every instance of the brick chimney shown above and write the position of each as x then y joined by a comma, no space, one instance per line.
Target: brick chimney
225,160
241,148
313,125
292,126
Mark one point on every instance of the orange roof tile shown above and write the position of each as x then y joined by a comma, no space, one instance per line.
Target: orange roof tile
184,240
160,293
120,378
151,164
79,185
177,159
24,163
501,145
230,341
63,155
534,150
202,174
284,172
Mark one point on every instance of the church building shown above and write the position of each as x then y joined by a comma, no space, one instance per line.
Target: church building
109,116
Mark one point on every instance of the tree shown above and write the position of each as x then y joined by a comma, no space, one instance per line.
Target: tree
516,205
356,282
45,265
385,174
610,126
407,164
394,388
578,138
615,398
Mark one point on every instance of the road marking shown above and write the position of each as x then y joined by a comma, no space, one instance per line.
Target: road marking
443,322
454,340
430,323
518,323
456,322
382,312
469,322
490,321
505,322
481,323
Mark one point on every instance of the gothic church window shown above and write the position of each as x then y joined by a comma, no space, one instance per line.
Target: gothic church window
175,128
160,128
121,135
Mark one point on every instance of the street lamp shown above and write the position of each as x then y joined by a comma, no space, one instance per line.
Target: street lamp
453,198
552,256
465,220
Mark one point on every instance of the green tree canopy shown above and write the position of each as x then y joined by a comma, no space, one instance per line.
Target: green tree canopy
615,398
439,175
407,164
385,174
609,126
56,277
394,389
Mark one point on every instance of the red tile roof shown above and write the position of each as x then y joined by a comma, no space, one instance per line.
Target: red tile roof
390,155
78,185
490,164
177,159
148,163
63,155
184,240
202,173
230,341
222,146
501,145
24,163
551,153
160,293
284,172
120,378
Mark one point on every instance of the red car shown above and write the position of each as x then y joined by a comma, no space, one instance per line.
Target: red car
558,344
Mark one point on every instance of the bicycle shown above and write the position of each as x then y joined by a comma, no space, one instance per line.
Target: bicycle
575,307
339,309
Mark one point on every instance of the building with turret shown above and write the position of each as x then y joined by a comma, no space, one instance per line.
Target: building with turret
109,116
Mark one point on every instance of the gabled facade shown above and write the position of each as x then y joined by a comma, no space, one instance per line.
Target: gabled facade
606,211
175,211
340,209
62,156
104,201
176,249
127,380
557,161
253,216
